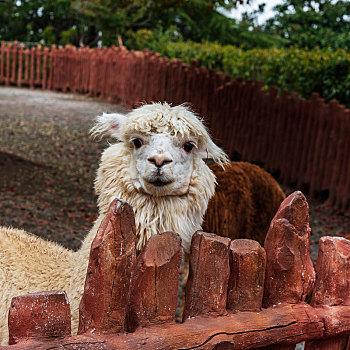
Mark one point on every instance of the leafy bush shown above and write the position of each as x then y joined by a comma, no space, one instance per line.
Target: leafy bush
295,70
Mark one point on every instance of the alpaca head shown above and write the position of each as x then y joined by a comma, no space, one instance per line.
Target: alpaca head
163,143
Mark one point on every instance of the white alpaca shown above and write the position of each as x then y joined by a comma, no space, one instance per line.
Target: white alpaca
156,166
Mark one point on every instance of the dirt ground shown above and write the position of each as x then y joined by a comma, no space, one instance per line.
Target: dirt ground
48,164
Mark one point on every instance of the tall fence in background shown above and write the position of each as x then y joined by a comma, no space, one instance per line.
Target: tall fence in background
306,141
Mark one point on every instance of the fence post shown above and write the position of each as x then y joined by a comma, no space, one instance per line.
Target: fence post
39,316
154,285
8,61
26,65
2,61
209,261
270,125
32,66
20,65
289,273
14,62
343,187
318,166
39,53
334,151
246,283
332,286
92,75
52,56
112,256
46,55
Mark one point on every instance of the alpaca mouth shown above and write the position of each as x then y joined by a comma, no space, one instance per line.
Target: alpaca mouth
160,183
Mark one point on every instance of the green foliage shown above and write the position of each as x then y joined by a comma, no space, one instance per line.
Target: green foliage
69,36
88,21
194,20
42,21
49,36
307,24
154,40
294,70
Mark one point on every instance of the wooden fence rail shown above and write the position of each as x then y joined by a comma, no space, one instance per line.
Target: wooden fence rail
238,296
306,141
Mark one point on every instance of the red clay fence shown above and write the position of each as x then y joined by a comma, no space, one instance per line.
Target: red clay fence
238,296
306,141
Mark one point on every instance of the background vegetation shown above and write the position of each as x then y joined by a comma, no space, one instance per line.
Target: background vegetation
325,71
303,47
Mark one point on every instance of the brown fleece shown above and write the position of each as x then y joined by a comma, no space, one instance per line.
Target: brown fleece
245,201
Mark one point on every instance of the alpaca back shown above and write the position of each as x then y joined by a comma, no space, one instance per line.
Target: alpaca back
29,264
245,201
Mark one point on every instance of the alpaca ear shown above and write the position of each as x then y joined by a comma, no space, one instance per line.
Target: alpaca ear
108,124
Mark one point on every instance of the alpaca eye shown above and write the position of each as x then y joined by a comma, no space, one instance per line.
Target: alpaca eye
188,146
137,143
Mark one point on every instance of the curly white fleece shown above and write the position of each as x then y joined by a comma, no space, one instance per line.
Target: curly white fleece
182,214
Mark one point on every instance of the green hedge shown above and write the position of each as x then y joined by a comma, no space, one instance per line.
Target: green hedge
295,70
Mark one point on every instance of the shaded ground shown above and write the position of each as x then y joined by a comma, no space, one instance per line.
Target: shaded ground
48,163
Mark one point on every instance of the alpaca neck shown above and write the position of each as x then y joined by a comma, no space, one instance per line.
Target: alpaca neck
182,214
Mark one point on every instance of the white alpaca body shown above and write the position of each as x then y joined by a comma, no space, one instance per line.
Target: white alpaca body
168,187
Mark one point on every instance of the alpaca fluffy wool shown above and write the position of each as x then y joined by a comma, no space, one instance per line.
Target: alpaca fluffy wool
29,264
154,214
246,200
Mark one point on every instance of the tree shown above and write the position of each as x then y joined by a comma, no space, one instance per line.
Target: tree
49,22
195,20
90,21
307,24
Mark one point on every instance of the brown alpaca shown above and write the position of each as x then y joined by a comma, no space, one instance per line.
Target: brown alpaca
245,201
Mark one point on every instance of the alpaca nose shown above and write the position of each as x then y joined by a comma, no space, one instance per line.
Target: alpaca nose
159,161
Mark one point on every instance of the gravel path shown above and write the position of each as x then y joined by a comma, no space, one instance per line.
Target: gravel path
48,163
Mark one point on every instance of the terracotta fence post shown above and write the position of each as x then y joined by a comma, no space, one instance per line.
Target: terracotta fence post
246,282
32,67
290,275
45,60
2,62
20,65
26,66
296,131
14,50
318,161
332,286
8,62
206,289
270,126
104,302
343,186
154,286
286,160
39,66
334,155
39,316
